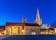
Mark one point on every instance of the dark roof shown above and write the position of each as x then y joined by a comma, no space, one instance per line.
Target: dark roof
55,26
51,28
47,29
43,29
2,27
20,24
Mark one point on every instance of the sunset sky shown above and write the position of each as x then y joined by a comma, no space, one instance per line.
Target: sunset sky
14,10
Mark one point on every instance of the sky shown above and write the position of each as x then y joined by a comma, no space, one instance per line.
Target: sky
14,10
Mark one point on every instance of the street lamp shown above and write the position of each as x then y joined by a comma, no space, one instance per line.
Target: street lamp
23,31
33,33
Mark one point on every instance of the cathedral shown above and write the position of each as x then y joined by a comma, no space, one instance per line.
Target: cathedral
24,28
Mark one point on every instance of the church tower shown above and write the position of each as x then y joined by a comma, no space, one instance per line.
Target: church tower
23,20
38,19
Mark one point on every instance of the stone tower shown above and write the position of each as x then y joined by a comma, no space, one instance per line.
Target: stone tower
23,20
38,19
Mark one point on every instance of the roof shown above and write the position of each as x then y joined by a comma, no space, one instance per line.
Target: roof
43,29
51,28
55,26
2,27
47,29
20,24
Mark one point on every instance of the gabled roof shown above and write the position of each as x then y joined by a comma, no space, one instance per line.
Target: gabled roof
2,27
20,24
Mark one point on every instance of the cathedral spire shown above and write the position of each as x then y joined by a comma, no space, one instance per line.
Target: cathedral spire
38,19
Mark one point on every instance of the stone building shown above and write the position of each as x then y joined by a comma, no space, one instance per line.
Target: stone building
25,28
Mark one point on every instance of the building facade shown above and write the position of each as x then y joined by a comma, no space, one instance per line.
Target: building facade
22,28
25,28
